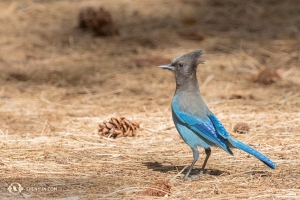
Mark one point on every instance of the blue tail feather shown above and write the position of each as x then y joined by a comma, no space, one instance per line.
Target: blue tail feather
239,145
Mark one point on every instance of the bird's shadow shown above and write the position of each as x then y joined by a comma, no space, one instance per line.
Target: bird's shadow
156,166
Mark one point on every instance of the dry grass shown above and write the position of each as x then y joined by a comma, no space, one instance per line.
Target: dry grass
58,83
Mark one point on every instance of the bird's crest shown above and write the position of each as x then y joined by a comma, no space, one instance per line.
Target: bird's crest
194,57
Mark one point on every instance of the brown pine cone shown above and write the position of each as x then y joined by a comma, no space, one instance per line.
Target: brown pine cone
97,20
267,76
118,127
241,128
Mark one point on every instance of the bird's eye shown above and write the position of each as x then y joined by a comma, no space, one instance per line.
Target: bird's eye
180,65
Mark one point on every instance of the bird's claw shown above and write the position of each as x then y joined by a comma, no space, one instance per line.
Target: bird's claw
191,177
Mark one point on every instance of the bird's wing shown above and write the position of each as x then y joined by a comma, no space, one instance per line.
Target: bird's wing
219,126
203,127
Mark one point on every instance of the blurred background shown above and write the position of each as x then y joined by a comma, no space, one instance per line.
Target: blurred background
69,49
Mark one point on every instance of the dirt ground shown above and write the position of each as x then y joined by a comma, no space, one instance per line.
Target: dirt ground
57,83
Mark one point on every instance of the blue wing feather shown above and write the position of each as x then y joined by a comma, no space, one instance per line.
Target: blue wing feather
219,126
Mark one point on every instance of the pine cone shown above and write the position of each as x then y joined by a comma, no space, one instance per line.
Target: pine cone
241,128
267,76
118,127
98,21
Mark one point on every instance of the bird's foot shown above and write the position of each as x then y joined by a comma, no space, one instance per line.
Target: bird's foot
191,177
201,172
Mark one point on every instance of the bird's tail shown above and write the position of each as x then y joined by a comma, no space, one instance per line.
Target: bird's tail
239,145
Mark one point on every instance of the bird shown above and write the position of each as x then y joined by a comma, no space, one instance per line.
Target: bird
195,123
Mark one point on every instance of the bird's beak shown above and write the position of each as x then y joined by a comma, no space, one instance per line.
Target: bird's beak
169,67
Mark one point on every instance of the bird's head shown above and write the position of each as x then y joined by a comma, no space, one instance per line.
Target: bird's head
185,66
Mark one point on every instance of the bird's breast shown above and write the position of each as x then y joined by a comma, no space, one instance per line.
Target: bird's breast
190,103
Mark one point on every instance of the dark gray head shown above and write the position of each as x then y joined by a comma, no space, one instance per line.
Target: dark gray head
184,67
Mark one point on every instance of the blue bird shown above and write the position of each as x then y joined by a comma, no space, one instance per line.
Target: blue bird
196,124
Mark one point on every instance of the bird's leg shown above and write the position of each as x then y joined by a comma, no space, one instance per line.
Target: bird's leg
207,152
196,156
